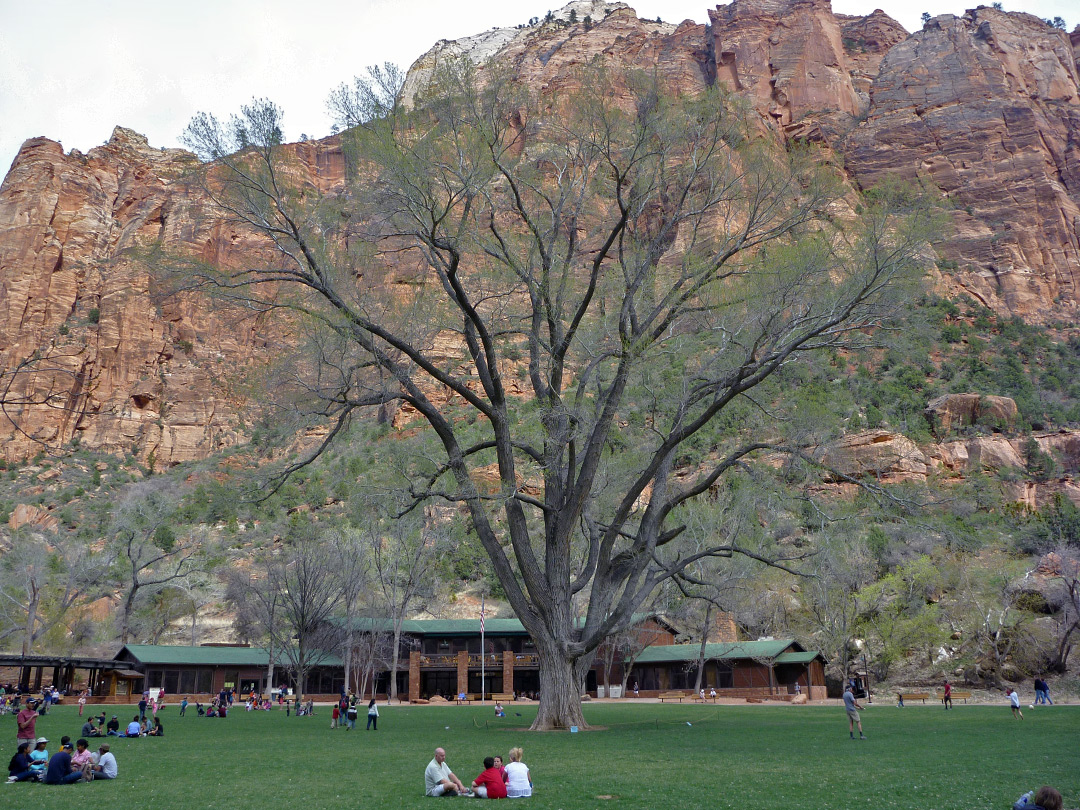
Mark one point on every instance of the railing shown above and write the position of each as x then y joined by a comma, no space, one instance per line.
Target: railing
437,660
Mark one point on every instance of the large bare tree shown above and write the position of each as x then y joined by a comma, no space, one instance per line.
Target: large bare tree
288,596
150,555
593,282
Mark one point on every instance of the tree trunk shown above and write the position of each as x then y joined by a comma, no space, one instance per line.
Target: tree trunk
125,616
701,650
392,692
348,655
561,679
31,620
269,668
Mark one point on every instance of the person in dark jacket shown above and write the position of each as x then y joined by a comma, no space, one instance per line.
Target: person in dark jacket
1042,692
59,771
19,766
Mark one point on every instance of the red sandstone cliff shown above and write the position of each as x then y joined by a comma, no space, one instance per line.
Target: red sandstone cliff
985,105
123,366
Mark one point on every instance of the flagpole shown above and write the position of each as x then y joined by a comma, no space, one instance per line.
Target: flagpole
483,651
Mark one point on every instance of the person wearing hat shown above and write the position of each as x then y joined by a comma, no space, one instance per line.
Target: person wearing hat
59,771
26,720
113,728
39,758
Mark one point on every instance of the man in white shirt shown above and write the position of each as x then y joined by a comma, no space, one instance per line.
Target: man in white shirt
106,764
439,780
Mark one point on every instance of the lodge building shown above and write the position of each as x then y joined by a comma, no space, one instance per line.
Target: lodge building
444,658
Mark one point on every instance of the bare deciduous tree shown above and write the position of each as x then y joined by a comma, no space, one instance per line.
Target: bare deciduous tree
632,260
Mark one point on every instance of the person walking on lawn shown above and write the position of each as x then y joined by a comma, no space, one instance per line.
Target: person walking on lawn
852,706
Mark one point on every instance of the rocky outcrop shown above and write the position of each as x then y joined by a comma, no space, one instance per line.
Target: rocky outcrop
986,106
951,411
887,457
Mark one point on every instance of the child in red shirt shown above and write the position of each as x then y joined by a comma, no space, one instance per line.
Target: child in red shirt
334,717
489,784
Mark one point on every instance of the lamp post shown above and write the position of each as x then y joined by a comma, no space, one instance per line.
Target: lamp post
866,675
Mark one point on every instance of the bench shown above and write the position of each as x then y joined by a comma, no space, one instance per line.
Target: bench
706,698
503,697
679,696
957,694
467,699
906,696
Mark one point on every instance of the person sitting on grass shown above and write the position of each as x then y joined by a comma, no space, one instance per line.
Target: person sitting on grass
105,767
518,778
1045,798
499,711
88,729
489,784
59,771
134,728
113,728
158,730
439,780
39,758
19,766
83,759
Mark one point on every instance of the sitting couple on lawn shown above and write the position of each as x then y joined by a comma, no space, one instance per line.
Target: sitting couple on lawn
494,782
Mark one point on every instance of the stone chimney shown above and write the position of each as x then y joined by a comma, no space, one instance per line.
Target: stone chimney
723,631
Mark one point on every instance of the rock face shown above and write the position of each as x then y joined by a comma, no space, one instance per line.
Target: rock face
787,56
985,105
93,346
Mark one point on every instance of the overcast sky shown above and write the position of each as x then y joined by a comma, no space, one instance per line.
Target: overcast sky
72,69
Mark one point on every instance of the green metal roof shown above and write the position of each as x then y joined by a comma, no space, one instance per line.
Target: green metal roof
796,657
195,656
738,649
216,656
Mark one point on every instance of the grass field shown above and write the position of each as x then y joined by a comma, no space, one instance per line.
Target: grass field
647,756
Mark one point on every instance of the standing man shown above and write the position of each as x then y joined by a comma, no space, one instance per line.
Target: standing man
852,706
1014,703
183,706
1042,692
26,721
947,697
439,780
142,708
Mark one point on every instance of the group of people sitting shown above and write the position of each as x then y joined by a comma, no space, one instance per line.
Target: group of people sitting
32,763
495,782
138,727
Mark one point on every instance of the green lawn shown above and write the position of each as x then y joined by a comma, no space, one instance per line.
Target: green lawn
920,757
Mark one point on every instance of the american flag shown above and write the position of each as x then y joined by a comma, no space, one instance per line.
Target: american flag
481,615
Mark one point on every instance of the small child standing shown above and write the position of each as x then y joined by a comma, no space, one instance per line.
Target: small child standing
334,716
